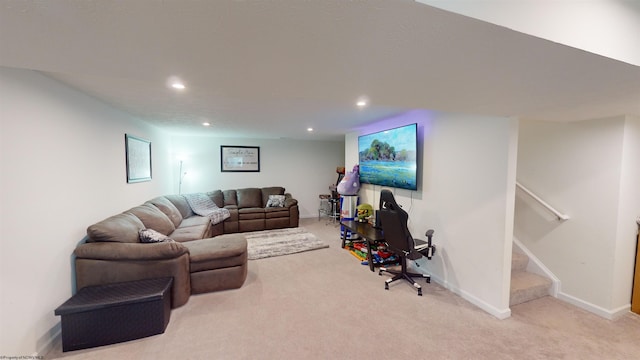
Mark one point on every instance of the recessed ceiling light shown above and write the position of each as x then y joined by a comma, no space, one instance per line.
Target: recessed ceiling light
175,82
362,102
206,124
310,129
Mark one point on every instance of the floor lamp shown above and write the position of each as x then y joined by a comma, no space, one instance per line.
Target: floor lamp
182,175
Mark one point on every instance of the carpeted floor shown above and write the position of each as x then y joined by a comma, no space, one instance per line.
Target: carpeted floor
323,304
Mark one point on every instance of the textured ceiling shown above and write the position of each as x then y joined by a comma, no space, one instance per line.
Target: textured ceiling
274,68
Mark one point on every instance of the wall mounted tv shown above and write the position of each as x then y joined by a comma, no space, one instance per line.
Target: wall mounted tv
389,157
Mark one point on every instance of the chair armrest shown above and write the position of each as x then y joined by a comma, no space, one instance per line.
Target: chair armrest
130,251
429,234
426,248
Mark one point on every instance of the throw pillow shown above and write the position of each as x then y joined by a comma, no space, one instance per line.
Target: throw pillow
275,201
152,236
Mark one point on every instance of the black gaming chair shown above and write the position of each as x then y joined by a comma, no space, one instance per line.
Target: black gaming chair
393,221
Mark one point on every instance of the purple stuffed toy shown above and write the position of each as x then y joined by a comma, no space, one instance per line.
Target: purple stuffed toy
350,184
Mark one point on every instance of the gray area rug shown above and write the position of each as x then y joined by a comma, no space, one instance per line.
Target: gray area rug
269,243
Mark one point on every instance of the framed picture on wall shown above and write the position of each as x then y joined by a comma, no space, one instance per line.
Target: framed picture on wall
138,161
239,158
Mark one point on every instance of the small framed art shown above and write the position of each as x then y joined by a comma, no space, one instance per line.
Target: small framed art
138,159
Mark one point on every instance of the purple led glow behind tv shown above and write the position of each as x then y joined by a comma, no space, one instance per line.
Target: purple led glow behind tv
389,157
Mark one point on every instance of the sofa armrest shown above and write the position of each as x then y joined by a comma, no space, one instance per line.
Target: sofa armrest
289,201
130,251
92,272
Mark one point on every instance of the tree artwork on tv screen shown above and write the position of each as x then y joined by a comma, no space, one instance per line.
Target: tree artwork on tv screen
389,158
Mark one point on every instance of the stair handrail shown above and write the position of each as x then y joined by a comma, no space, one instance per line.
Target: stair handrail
558,214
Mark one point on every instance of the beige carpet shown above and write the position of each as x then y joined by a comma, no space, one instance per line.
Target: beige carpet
324,305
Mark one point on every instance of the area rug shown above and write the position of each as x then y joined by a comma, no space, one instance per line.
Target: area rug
269,243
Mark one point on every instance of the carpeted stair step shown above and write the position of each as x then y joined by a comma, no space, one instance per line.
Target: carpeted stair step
526,286
519,262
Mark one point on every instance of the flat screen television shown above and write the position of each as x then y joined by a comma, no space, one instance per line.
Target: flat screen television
389,157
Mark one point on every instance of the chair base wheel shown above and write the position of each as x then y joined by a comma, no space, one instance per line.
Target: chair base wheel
404,275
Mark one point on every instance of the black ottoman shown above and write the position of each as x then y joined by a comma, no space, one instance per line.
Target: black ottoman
113,313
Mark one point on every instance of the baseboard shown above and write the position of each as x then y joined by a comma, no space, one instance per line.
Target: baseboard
621,311
48,341
595,309
498,313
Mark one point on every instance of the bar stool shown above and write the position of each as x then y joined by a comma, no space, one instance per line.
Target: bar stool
325,207
329,206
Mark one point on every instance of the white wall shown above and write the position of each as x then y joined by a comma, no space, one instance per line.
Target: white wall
607,27
62,168
466,194
304,168
628,209
588,170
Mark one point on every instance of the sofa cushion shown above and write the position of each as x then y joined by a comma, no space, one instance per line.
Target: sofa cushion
251,213
273,212
268,191
220,252
217,197
189,233
249,198
181,204
230,197
168,209
118,228
153,218
194,221
151,236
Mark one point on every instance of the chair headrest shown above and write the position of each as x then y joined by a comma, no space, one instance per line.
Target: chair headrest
387,200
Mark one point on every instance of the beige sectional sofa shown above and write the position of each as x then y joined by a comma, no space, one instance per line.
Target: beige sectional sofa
202,257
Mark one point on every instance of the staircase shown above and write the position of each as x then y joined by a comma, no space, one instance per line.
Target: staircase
526,286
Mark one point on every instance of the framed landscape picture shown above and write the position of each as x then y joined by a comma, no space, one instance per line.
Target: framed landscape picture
239,158
138,159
